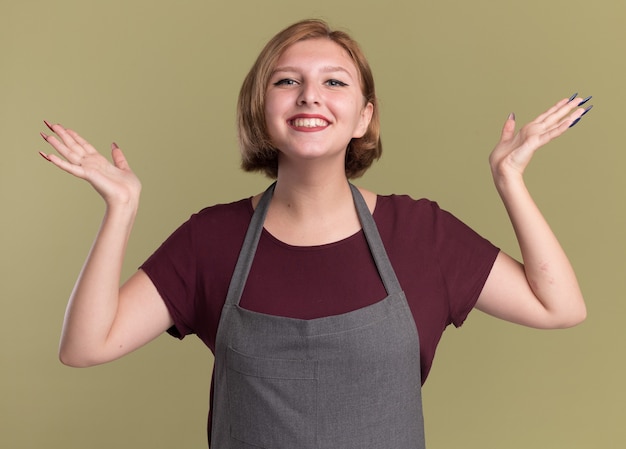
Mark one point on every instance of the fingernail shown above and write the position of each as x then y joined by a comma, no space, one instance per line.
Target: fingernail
572,97
48,125
511,116
114,146
45,136
585,100
575,121
587,110
45,156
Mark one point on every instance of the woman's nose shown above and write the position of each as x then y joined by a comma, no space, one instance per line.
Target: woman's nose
309,95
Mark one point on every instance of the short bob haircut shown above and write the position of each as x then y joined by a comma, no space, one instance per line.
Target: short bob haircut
257,151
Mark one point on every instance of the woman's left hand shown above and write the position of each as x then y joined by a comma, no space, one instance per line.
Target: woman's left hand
514,151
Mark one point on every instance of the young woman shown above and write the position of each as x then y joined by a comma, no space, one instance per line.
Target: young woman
322,303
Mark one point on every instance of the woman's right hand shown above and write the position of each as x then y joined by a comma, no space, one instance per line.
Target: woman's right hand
115,182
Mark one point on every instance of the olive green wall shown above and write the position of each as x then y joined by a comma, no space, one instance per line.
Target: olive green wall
161,78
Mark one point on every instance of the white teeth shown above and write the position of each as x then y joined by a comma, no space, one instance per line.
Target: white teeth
309,122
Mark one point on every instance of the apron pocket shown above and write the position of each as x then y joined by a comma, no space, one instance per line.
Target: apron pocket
272,402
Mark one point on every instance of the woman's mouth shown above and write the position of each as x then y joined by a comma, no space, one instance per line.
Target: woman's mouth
314,122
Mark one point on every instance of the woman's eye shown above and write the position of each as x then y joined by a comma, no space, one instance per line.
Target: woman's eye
336,83
285,82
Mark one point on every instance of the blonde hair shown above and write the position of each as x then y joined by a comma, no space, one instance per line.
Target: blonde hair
257,151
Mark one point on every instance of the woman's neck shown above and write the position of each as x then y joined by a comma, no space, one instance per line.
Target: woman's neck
309,209
313,194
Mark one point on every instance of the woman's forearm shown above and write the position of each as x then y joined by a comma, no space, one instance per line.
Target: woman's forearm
94,301
547,268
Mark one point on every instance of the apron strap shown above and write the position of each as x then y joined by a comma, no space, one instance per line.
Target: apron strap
248,249
385,269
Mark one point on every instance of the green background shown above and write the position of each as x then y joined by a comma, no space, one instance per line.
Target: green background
160,78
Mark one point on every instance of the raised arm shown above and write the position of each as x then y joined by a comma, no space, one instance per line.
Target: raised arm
543,291
103,321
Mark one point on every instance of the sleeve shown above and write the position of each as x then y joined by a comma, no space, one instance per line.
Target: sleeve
172,269
465,260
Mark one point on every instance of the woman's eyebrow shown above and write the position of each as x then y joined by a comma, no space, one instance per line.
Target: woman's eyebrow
325,69
330,69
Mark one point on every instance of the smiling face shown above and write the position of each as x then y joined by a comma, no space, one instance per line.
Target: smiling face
313,104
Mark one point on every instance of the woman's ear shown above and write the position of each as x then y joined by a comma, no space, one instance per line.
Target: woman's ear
364,121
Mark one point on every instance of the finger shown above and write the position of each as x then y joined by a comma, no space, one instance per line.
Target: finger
71,146
44,155
68,152
508,130
574,113
65,138
118,157
82,142
555,132
64,165
563,110
554,109
564,124
68,138
72,140
576,120
60,131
